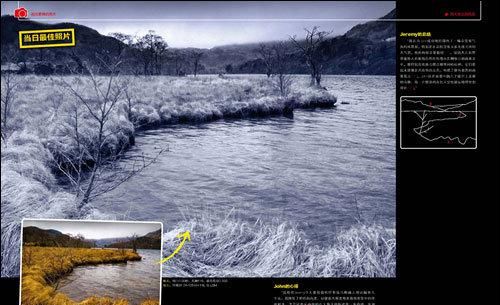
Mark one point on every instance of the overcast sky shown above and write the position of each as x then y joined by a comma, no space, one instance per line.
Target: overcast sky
207,24
95,230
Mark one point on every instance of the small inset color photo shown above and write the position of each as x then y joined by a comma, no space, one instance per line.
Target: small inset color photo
72,262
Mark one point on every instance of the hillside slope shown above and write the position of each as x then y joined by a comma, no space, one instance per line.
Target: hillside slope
152,240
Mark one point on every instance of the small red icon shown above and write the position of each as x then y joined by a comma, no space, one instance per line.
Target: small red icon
21,13
446,14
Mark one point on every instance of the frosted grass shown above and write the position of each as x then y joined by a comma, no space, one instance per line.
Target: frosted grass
233,248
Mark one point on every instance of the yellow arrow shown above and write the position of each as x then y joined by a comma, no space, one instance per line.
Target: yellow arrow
185,236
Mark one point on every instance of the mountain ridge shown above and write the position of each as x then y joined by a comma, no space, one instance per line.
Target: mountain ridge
151,240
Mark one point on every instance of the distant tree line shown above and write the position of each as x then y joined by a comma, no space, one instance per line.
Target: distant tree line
34,236
150,55
141,55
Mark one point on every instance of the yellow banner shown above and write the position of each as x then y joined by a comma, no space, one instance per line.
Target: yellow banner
47,38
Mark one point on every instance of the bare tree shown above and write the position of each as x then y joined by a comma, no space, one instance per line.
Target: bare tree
310,49
195,58
133,241
10,84
282,80
91,167
80,241
152,48
129,99
266,55
160,50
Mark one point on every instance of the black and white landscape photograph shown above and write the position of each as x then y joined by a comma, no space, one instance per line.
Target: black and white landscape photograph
265,129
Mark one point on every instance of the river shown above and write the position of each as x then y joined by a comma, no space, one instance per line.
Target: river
134,280
320,170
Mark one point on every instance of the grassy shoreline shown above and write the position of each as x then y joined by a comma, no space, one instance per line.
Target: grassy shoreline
233,248
42,267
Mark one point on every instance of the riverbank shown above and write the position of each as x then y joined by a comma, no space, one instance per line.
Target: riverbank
42,267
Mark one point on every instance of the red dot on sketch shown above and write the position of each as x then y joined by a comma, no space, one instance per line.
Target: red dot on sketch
446,14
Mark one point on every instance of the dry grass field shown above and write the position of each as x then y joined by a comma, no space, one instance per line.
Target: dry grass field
42,267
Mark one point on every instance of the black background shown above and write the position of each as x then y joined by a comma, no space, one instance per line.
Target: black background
447,202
